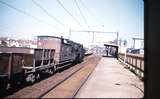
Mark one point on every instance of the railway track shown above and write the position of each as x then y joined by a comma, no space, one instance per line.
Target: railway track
63,80
43,94
71,86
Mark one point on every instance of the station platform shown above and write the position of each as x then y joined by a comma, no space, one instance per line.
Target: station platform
110,79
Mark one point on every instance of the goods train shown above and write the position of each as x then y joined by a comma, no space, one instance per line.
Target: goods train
18,65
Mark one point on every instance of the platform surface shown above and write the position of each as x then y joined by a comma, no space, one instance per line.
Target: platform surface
111,80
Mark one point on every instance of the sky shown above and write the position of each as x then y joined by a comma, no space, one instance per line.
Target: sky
123,16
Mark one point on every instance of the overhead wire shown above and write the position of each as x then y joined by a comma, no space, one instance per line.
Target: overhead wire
69,13
26,13
45,11
91,13
81,13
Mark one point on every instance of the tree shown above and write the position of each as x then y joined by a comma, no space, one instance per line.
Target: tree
3,43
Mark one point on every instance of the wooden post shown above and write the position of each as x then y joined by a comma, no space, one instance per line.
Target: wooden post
10,65
141,68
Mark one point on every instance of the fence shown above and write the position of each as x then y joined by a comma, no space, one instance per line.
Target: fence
134,62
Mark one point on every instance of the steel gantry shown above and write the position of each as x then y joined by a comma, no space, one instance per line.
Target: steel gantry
88,31
134,39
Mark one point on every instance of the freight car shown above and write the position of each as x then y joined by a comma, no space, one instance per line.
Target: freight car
28,64
23,64
66,51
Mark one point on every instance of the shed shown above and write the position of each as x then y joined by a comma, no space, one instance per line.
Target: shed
111,49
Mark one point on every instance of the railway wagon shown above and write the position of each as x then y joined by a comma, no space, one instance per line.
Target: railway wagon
66,51
23,64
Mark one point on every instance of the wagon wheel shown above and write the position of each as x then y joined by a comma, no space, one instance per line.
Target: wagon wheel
38,76
51,71
31,78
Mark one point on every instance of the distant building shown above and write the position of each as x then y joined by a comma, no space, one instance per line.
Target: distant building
17,43
135,51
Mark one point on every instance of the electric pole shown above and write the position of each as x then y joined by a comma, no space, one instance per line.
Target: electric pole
69,36
93,38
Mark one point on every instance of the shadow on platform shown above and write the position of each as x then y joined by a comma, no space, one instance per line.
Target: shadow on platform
109,56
